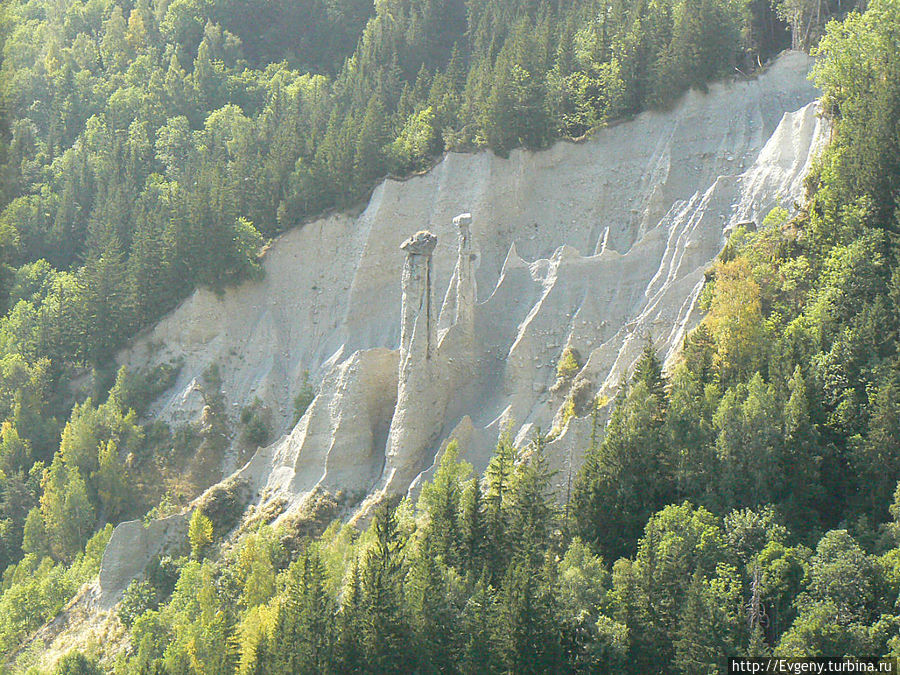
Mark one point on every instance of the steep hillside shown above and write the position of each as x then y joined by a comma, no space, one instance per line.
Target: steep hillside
742,501
595,246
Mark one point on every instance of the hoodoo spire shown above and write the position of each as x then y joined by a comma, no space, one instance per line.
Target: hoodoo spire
417,329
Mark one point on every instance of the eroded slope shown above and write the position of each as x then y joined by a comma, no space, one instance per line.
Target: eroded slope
593,245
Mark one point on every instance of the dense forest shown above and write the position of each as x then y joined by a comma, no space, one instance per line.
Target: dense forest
745,502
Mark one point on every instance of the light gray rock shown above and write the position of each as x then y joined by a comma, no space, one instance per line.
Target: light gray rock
416,300
595,245
130,549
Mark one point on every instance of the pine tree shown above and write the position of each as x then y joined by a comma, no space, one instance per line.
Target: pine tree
34,536
650,592
473,529
110,480
628,478
648,370
350,651
877,458
114,48
531,505
303,638
317,612
15,452
481,651
200,533
799,460
71,219
369,158
432,600
499,477
66,509
149,267
101,301
528,630
206,77
440,502
515,110
385,628
690,436
749,445
709,628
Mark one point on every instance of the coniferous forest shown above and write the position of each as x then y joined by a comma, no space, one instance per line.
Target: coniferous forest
743,502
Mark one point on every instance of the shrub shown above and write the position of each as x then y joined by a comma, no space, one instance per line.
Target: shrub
139,597
76,663
568,366
143,595
582,396
304,397
224,505
566,369
136,390
255,420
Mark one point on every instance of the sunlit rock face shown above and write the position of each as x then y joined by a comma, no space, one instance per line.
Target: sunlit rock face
419,326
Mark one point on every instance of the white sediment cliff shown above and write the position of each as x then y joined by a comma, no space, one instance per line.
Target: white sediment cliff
593,245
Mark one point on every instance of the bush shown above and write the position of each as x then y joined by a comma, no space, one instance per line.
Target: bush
76,663
582,396
566,369
224,505
136,390
304,397
256,422
147,594
35,590
163,572
139,597
318,511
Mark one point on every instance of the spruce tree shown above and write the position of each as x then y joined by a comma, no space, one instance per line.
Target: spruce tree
385,626
628,478
499,478
481,650
473,529
432,600
528,631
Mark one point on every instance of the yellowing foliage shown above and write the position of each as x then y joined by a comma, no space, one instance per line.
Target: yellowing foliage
735,319
200,533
